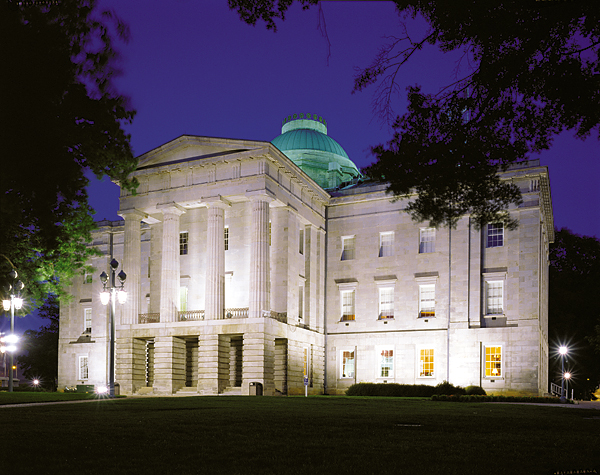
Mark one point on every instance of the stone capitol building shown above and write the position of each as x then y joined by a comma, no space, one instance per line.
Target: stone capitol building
257,264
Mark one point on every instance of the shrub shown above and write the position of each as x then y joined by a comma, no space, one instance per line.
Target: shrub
475,391
390,390
449,389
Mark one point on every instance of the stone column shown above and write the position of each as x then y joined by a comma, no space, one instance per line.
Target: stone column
132,257
169,285
169,364
130,364
214,296
259,256
279,258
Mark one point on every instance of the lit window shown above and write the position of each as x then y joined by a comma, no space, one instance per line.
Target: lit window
426,240
386,302
386,243
87,320
426,363
83,367
494,297
493,361
301,241
347,369
347,248
183,299
183,243
226,237
347,297
495,235
386,364
427,301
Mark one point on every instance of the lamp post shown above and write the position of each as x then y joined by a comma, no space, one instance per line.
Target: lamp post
16,302
567,376
111,294
563,351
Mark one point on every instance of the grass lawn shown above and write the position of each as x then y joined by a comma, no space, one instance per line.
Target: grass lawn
268,435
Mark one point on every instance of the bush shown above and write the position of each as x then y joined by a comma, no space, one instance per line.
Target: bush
390,390
475,391
448,389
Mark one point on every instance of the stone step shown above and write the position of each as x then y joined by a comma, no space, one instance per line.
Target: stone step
185,391
146,391
231,391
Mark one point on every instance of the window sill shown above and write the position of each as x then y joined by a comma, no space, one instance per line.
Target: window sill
427,377
493,316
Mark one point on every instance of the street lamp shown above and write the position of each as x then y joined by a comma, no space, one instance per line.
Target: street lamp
563,351
16,302
112,294
567,376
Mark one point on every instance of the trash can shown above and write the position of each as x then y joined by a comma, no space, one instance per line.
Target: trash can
256,389
117,389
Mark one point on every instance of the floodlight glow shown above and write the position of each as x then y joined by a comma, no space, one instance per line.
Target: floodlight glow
6,305
563,350
11,348
567,375
12,338
104,297
18,303
122,296
36,382
101,390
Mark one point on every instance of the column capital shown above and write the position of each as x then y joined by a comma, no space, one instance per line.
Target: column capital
216,202
261,195
132,213
171,208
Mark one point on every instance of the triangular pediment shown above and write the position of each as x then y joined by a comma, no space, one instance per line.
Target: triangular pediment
192,147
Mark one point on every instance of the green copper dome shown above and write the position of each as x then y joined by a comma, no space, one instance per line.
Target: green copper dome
304,140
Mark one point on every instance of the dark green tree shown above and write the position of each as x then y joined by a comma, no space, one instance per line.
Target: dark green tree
573,311
529,71
40,357
60,116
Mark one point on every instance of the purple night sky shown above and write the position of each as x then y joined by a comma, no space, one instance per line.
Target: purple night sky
195,68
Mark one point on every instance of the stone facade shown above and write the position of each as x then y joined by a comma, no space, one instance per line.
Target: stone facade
243,273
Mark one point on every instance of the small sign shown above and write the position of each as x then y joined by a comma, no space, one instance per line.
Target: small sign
305,380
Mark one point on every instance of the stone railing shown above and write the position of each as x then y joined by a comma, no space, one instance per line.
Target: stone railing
241,312
149,318
190,315
198,315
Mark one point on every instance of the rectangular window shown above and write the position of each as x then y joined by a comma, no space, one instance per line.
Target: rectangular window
386,364
386,244
301,241
347,369
495,235
426,240
300,302
427,301
494,297
87,277
226,237
183,243
347,248
87,320
386,302
183,299
347,297
493,361
83,368
426,363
